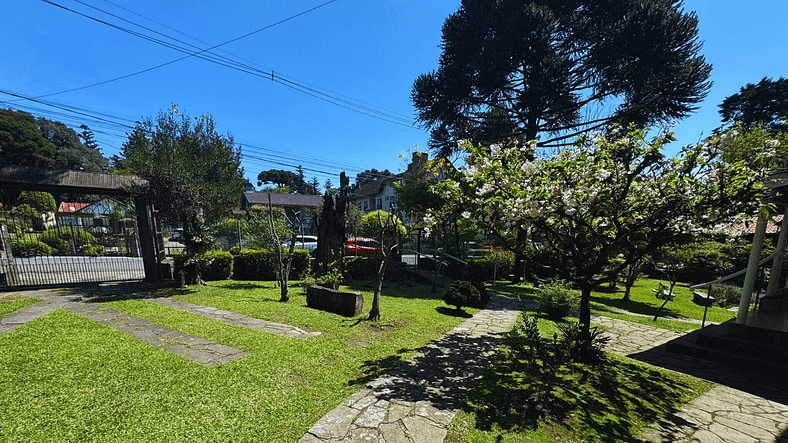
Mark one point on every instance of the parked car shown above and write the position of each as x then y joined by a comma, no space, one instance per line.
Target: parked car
363,247
308,242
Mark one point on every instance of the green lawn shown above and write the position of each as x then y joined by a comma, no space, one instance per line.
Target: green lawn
644,302
611,402
13,302
66,378
69,379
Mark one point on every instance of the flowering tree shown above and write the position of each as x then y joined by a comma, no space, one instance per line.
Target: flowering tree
609,196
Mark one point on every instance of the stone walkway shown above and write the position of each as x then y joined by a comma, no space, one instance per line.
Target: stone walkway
235,318
744,407
415,402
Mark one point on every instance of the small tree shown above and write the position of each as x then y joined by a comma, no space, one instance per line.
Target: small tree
387,228
671,260
283,263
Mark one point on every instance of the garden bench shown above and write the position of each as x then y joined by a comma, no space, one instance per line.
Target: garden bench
663,293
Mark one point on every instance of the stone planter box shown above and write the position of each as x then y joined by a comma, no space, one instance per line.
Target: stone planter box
348,304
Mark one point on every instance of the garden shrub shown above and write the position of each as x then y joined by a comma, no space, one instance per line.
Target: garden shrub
260,264
65,239
94,250
42,201
484,296
217,265
557,299
726,295
220,266
484,268
30,248
462,293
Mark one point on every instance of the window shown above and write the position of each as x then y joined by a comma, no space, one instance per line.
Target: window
380,203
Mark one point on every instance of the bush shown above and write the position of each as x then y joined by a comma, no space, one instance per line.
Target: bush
30,248
462,293
557,299
94,250
42,201
65,239
484,268
218,265
484,296
260,264
726,295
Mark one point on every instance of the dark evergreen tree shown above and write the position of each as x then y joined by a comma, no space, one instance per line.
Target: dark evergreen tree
765,103
549,68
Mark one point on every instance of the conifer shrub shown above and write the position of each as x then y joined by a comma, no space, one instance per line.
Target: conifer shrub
462,293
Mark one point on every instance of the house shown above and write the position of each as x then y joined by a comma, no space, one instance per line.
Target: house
102,217
380,193
303,205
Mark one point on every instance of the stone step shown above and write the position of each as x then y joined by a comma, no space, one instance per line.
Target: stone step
713,344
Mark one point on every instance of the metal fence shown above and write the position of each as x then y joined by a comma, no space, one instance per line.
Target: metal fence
86,242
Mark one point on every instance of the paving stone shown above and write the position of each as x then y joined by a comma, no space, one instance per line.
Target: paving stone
422,430
393,433
335,424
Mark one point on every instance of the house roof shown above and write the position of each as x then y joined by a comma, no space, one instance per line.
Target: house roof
370,188
261,198
772,225
71,207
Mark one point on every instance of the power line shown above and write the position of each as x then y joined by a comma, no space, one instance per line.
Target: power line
112,122
223,61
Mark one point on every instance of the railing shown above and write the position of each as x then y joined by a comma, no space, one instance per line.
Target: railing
438,257
707,285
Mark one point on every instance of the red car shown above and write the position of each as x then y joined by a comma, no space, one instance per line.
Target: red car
363,247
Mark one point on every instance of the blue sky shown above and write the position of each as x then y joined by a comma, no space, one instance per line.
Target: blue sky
366,53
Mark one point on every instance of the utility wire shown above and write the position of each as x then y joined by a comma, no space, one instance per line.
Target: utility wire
223,61
257,154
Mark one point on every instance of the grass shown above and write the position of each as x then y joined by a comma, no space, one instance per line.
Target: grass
613,401
611,304
67,378
14,302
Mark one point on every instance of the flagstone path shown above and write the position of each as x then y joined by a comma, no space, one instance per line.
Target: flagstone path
415,402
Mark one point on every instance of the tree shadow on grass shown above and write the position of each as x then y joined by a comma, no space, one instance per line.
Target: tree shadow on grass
453,312
247,286
637,307
604,400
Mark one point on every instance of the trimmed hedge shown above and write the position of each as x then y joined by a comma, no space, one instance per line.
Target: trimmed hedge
30,248
219,268
462,293
260,264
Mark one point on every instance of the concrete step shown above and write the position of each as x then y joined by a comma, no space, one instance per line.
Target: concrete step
714,343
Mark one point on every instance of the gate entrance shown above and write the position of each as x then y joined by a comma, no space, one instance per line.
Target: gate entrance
96,231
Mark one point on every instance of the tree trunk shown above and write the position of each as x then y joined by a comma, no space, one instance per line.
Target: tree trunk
519,257
374,313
